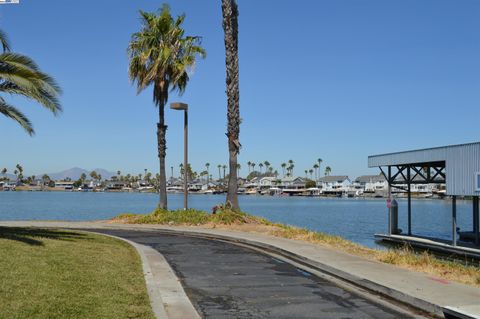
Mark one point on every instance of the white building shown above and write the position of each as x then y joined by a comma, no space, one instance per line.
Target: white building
64,184
371,183
334,184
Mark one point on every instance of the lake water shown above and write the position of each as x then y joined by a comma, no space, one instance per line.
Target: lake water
353,219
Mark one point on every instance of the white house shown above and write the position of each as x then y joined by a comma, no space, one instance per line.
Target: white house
267,182
371,183
334,184
292,182
64,184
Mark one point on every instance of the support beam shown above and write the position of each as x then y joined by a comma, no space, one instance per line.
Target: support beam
476,220
454,220
409,193
390,198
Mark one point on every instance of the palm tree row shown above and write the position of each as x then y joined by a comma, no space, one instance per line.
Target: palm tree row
287,169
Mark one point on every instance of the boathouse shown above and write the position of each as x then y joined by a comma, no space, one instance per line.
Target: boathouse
456,166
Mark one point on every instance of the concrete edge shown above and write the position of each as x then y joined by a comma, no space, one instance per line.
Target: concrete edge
420,305
167,297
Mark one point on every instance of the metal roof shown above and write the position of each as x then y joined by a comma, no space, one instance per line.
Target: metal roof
462,164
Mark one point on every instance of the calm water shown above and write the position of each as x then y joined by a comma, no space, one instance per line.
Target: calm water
354,219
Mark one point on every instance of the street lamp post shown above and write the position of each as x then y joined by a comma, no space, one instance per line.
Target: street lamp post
184,107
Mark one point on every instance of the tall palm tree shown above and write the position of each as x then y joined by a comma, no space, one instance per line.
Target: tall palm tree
267,165
284,165
306,172
161,56
249,164
207,165
20,75
4,172
319,161
253,167
219,171
238,169
261,166
328,170
230,27
311,173
224,168
316,167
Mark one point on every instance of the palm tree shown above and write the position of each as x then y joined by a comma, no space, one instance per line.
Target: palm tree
327,170
267,165
224,168
284,165
230,27
161,56
261,166
118,175
238,170
291,169
311,173
319,161
219,171
4,172
253,167
249,164
207,165
20,75
306,172
315,167
20,172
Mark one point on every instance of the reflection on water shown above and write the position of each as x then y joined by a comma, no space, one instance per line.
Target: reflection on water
354,219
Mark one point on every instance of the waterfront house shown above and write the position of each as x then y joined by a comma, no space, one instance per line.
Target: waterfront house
116,185
267,182
67,185
334,184
371,183
292,182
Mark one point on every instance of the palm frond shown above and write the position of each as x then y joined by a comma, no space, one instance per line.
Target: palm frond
160,54
11,112
21,75
4,41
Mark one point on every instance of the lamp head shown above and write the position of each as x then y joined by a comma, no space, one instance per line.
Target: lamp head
179,106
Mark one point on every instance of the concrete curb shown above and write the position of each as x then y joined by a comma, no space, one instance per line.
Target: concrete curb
167,297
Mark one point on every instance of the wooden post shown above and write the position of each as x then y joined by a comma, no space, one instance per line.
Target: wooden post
454,220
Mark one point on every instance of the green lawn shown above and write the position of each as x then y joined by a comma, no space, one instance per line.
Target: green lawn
67,274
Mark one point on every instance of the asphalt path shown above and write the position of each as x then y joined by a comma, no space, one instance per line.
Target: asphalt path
224,280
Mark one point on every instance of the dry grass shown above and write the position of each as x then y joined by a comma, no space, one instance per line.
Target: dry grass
225,218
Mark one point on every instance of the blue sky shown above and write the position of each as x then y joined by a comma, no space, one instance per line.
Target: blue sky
338,79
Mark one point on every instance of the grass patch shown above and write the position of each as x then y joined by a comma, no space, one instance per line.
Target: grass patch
66,274
191,217
225,218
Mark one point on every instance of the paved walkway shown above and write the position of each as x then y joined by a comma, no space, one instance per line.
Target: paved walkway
227,281
420,290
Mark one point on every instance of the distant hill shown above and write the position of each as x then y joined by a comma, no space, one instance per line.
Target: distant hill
74,173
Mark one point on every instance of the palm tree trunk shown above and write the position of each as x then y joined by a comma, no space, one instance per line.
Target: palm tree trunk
162,152
230,26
